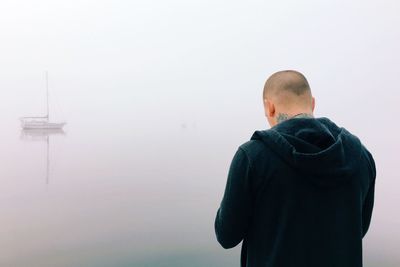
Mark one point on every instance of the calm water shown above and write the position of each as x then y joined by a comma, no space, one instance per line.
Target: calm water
112,197
129,195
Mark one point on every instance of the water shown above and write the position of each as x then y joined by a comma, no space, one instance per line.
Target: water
112,198
124,194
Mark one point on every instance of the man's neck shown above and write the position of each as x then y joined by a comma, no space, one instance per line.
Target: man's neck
284,116
303,115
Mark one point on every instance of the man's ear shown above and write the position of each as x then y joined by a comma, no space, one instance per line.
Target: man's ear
269,108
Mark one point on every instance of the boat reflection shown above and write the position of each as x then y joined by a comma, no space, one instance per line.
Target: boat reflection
39,134
42,135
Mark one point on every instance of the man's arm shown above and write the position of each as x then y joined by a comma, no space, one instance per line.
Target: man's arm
369,198
234,213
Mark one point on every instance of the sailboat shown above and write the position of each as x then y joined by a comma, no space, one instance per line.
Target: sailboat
41,122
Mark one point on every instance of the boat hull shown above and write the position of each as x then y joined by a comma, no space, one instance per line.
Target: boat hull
42,125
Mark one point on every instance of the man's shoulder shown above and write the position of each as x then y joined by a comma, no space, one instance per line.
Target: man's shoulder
370,160
253,148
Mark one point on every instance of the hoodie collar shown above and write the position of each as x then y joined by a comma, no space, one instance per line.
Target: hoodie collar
314,146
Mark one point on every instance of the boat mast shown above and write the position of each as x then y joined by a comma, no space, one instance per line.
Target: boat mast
47,95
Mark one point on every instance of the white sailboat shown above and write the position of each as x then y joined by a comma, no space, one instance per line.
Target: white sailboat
41,122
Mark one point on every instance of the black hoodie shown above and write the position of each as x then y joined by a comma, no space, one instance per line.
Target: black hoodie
298,194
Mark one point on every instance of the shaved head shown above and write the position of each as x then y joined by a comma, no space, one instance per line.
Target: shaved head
287,94
288,88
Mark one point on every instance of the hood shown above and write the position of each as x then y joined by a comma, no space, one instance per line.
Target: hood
316,147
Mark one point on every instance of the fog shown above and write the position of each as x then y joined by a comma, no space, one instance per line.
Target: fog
157,96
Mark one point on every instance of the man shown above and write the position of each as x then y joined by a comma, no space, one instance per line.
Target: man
300,193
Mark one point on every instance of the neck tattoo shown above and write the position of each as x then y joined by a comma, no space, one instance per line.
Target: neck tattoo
283,116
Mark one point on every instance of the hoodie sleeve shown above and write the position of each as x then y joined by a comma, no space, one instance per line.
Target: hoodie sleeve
369,198
234,213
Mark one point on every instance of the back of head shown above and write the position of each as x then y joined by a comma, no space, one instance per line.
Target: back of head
288,88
